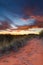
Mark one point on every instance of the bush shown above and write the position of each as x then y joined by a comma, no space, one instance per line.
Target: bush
41,34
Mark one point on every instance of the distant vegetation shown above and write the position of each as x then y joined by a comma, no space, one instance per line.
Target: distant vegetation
14,42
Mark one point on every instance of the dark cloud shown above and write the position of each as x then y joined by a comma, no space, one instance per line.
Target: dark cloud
16,9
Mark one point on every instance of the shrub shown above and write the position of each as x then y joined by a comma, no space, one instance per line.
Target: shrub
41,34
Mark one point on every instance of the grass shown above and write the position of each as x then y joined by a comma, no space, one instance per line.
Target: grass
15,42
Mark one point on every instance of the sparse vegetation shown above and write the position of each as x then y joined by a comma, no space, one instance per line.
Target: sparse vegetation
9,42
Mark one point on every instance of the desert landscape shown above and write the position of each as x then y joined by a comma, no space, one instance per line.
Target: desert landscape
21,32
27,51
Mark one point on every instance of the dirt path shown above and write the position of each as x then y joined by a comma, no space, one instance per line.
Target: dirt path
31,54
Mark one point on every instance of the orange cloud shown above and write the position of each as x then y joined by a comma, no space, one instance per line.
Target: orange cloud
38,18
29,11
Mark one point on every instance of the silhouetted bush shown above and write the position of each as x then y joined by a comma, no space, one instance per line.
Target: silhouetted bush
15,42
41,34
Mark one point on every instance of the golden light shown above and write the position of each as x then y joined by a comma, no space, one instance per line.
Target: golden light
22,32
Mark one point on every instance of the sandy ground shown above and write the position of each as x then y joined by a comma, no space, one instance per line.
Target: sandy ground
31,54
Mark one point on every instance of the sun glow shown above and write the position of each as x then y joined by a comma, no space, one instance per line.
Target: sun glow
22,32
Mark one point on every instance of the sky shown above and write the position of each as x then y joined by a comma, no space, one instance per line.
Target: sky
20,12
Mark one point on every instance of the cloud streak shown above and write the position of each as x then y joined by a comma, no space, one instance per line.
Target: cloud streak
22,12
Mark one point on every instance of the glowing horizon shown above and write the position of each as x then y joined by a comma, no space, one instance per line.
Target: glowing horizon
22,32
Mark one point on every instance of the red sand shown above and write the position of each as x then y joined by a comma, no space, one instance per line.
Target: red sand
31,54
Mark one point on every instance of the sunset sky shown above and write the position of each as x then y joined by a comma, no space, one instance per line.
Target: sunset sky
22,12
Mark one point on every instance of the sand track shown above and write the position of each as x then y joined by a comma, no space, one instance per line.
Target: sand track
31,54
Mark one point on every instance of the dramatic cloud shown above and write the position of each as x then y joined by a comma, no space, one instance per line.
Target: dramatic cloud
22,12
